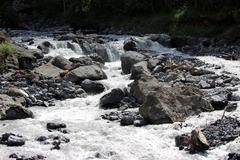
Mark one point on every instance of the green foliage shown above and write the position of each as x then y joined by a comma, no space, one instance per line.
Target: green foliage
6,49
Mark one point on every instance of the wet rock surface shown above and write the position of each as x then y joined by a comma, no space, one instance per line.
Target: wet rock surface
54,140
22,157
233,156
12,140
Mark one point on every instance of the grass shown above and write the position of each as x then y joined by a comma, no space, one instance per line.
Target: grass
6,49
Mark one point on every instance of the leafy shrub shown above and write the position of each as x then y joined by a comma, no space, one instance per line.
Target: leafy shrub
6,49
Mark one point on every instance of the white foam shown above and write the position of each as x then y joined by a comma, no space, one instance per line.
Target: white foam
90,134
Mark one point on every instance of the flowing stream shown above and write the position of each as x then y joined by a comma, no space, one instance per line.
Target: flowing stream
90,135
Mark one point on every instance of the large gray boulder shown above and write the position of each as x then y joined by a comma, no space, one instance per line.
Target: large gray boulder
101,51
61,62
11,109
92,87
164,104
139,69
92,72
112,99
129,59
48,70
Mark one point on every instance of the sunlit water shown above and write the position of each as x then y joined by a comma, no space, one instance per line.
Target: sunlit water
89,134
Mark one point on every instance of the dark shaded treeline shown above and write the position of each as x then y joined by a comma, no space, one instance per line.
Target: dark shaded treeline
196,16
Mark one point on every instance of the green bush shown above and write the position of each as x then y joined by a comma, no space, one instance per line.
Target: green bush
6,49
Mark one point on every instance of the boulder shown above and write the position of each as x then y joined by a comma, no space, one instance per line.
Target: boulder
198,141
11,109
82,61
127,120
163,39
96,58
101,51
48,70
129,59
55,126
25,57
86,47
163,104
11,139
92,72
138,69
92,86
66,37
45,47
219,98
112,99
61,63
130,45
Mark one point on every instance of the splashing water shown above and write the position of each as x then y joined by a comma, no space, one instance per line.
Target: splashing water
93,138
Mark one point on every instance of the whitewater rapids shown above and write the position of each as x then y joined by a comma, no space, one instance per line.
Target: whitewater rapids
90,135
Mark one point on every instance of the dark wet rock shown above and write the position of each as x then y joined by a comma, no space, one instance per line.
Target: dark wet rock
38,55
233,156
100,50
129,59
167,104
198,141
92,86
128,102
27,39
162,39
130,45
11,139
56,126
66,37
126,117
86,47
206,84
219,98
22,157
92,72
112,99
61,63
127,120
45,47
11,109
231,107
200,72
112,116
55,140
182,140
42,138
95,57
82,61
40,91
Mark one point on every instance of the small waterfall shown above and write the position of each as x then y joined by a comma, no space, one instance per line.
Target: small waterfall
114,50
66,49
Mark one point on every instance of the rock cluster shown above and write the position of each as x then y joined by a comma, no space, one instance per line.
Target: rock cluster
216,134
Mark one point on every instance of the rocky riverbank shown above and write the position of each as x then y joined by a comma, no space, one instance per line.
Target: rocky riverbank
167,87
